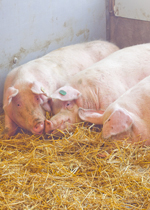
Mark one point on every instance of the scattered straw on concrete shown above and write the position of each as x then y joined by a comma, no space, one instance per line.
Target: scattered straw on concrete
80,171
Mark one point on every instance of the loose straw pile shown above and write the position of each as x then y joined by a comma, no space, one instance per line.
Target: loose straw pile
79,171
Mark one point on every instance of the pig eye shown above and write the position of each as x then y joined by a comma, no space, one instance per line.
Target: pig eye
68,104
18,104
37,98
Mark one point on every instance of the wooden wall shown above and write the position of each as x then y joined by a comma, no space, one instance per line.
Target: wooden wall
124,31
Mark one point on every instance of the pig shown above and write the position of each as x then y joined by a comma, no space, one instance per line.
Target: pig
97,87
28,87
128,116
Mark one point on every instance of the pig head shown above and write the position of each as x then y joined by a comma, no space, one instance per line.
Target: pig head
64,104
23,107
118,123
115,121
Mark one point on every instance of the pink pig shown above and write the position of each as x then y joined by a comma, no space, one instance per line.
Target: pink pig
97,87
127,117
28,87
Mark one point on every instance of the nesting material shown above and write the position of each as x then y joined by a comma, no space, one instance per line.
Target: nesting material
79,171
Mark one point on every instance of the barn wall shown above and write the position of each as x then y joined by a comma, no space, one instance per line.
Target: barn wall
30,29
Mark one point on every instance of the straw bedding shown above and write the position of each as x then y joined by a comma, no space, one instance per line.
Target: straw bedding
79,171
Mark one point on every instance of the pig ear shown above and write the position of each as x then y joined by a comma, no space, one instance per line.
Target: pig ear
37,88
118,122
46,107
10,93
91,115
66,93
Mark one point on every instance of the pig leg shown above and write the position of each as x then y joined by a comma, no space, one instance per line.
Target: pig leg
118,122
91,115
10,126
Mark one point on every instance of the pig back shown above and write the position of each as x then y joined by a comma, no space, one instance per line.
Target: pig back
109,78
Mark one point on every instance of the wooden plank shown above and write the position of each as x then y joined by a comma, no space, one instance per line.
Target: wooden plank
134,9
126,32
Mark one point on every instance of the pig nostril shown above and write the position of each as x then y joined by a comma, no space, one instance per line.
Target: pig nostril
36,127
48,123
39,127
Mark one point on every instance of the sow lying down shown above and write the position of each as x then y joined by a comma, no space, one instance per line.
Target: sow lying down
28,87
97,87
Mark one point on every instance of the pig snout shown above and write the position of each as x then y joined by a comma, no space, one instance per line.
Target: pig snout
52,126
38,128
48,126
